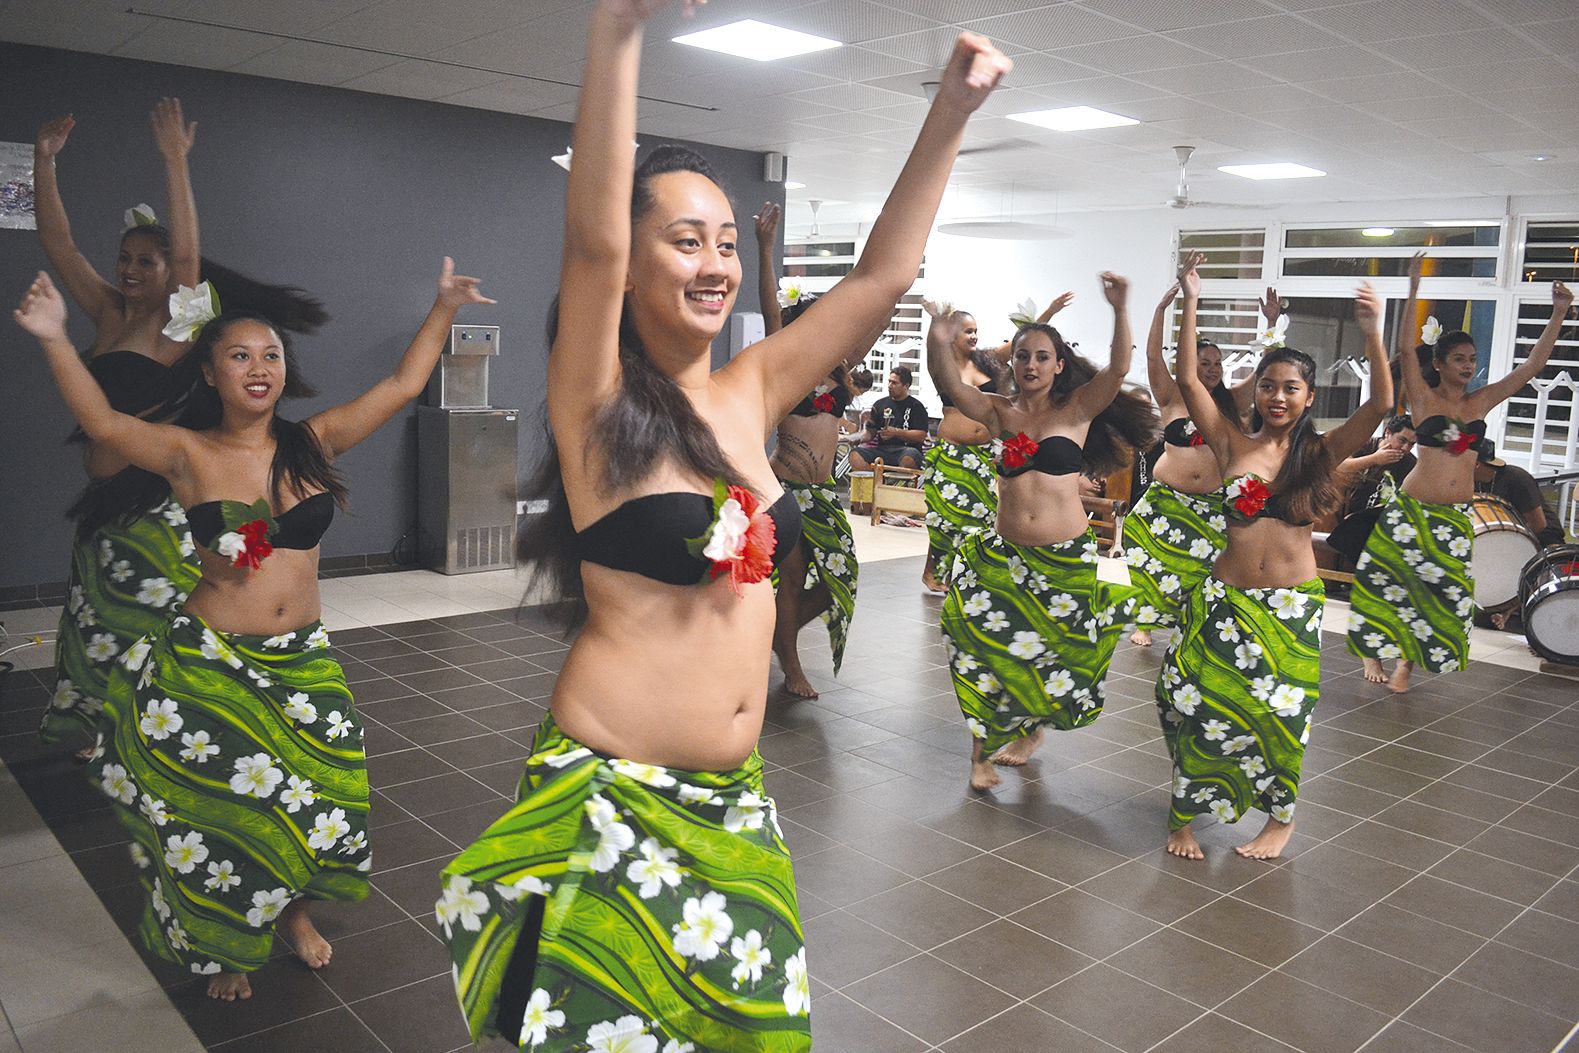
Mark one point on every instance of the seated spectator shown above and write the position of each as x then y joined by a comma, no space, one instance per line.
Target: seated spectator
1367,479
896,429
1517,487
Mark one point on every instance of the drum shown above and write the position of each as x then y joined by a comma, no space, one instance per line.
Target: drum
1503,545
861,489
1549,599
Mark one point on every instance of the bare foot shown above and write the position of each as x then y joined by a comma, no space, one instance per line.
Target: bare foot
1182,843
297,930
230,987
932,584
1373,671
84,755
1019,751
1398,683
795,683
1140,638
1500,619
983,776
1269,842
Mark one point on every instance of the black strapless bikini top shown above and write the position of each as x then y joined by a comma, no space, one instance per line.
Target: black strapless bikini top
301,526
832,402
988,388
132,382
1248,497
1054,455
658,536
1181,431
1455,436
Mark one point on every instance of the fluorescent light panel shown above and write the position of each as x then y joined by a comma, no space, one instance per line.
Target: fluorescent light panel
790,184
1073,119
1275,170
1378,232
751,39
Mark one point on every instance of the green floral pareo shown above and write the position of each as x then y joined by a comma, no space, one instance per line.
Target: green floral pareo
830,546
961,491
1171,541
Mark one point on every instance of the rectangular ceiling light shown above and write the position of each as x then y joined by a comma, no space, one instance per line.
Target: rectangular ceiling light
1276,170
757,40
1073,119
790,184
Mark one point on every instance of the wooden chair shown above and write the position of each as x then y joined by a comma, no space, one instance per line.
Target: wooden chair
896,490
1107,520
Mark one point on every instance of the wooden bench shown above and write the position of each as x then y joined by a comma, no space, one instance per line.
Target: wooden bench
896,490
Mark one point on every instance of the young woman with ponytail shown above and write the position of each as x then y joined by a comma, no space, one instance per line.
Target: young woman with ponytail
1239,683
229,743
640,895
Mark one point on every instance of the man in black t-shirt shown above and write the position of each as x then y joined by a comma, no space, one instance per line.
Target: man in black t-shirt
897,428
1360,479
1517,487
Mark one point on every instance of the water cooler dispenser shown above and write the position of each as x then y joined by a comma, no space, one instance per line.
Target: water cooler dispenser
466,462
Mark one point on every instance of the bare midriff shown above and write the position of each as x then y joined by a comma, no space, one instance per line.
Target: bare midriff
959,429
1188,469
280,596
1440,477
806,448
1266,554
1036,509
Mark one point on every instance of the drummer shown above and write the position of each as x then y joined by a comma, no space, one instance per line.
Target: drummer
1519,489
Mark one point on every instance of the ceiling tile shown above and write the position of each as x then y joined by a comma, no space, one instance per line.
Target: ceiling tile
929,47
184,44
1394,84
1447,50
854,63
1052,27
1461,107
851,96
1161,15
1374,20
1034,69
1206,77
957,11
1325,64
1101,92
424,80
1264,98
1134,54
312,63
99,28
848,21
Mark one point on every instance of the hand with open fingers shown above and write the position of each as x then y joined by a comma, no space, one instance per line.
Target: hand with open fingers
1562,296
1169,296
42,312
1368,307
767,223
1416,269
1061,301
1389,454
972,72
1271,306
1190,284
1191,262
456,290
945,325
52,136
173,134
1115,288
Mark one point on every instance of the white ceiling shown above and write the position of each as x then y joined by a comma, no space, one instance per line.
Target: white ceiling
1393,98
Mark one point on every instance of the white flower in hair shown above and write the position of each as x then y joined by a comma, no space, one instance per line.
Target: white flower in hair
1272,335
190,310
1431,332
790,292
1024,313
140,216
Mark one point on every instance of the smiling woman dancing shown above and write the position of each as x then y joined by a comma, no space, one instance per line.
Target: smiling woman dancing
640,894
1024,605
1239,684
229,736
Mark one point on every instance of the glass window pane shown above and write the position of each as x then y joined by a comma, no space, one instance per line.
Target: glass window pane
1229,253
819,248
1401,237
1386,267
1551,252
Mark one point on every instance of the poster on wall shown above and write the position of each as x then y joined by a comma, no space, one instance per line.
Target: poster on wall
16,186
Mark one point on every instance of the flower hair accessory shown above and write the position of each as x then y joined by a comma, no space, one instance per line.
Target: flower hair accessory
740,541
1431,332
1248,494
790,292
1272,335
139,216
1018,449
248,528
1024,314
190,311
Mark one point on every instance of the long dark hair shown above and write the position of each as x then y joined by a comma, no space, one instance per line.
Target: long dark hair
1219,392
1305,479
648,421
287,306
300,463
1129,422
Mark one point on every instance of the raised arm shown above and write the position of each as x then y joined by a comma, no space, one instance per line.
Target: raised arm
1352,433
84,284
1412,379
787,364
943,368
341,427
767,281
160,448
174,135
1209,420
1096,394
1540,354
1163,387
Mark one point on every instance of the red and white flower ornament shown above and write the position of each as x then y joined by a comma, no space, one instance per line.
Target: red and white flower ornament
1018,450
1248,494
741,539
245,541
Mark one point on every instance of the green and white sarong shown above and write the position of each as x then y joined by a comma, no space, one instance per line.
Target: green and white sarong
126,580
1414,593
621,905
830,562
1171,541
961,489
1030,633
236,764
1235,697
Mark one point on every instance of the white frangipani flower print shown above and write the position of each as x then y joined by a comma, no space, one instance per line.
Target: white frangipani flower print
613,837
625,1035
160,719
154,810
183,854
157,901
155,592
463,903
650,774
797,988
115,782
750,957
299,709
540,1016
297,793
746,814
655,868
705,926
328,828
339,726
266,906
256,776
222,876
101,648
1224,810
66,694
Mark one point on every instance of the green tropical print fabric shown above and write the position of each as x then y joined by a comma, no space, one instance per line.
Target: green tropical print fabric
1171,541
961,489
126,580
1414,593
1030,633
1235,696
236,764
669,919
830,547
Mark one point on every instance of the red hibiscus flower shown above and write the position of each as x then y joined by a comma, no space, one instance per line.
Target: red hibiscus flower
256,536
1463,442
823,403
743,539
1018,450
1252,496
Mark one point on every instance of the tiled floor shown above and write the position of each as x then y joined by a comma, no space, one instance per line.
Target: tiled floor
1430,901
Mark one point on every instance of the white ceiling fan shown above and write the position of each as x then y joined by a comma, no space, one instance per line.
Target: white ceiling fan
815,234
1181,195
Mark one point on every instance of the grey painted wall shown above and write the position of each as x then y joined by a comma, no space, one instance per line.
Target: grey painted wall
354,197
